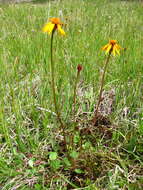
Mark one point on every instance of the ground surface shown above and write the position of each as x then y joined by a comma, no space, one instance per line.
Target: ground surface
27,119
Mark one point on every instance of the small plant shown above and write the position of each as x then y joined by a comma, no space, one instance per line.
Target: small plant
111,48
77,155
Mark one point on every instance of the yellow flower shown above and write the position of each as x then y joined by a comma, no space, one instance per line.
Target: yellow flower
54,24
112,47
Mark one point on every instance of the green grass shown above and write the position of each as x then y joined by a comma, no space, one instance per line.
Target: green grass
27,120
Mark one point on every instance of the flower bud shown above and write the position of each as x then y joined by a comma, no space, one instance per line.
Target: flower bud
79,67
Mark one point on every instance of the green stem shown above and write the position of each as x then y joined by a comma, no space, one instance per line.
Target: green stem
102,84
54,91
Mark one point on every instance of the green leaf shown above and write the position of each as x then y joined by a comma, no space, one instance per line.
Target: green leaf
74,154
53,156
79,171
87,145
38,187
67,162
76,138
55,164
31,163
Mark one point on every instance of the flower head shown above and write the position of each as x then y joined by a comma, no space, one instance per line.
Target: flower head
52,25
112,47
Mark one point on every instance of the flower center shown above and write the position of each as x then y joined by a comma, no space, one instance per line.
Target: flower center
113,42
55,21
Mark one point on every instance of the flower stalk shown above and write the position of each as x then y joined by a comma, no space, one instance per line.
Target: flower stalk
79,68
102,84
50,28
53,82
54,91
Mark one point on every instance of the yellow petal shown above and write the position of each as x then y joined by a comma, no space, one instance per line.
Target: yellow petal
114,51
48,27
108,49
117,49
105,47
60,30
